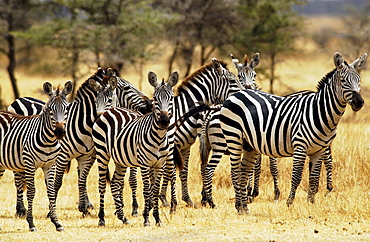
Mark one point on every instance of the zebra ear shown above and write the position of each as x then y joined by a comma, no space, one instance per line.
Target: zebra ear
245,60
111,72
152,78
68,88
255,60
173,79
48,88
113,82
217,66
359,63
235,61
338,60
93,84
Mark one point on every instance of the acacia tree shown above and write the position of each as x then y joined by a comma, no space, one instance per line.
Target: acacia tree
14,16
269,27
207,24
357,31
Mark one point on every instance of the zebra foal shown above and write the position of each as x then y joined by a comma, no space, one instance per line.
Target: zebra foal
31,142
135,140
255,122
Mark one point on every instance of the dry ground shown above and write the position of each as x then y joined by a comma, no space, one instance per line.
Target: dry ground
343,215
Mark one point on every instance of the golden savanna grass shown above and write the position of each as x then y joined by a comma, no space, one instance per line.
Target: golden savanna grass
343,215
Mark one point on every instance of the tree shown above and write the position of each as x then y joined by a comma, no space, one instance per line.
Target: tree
207,24
14,16
357,31
270,27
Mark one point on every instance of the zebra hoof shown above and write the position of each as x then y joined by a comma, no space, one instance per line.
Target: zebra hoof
60,229
33,229
159,224
101,223
146,224
125,221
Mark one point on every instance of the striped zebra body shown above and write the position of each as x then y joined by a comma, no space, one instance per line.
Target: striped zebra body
26,106
135,140
78,143
212,138
210,84
256,122
31,142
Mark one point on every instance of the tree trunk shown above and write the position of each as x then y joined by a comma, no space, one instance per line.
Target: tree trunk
11,56
272,69
173,57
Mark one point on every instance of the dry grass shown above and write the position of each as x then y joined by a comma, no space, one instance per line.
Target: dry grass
344,215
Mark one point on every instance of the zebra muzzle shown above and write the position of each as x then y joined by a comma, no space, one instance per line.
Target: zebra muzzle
164,120
357,101
59,131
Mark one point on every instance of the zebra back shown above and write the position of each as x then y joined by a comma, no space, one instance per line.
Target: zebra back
26,106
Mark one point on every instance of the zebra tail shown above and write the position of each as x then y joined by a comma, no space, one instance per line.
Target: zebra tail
107,176
197,109
204,145
178,159
68,167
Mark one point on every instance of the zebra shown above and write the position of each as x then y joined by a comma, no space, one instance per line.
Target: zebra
211,137
31,142
212,83
78,143
256,122
135,140
30,106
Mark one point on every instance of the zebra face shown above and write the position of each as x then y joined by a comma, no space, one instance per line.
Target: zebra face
163,98
246,73
57,107
106,97
228,83
349,80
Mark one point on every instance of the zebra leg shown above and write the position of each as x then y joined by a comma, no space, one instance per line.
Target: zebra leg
158,172
299,158
117,190
166,179
275,176
20,182
236,170
256,179
146,192
84,165
184,178
207,177
133,186
328,162
49,173
103,161
315,168
247,169
60,168
31,190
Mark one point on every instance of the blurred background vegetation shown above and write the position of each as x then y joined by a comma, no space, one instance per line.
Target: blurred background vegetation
73,37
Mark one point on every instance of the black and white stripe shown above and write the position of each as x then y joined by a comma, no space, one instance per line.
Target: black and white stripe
212,83
31,142
135,140
257,122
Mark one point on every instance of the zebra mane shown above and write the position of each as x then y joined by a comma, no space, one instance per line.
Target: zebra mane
191,77
325,80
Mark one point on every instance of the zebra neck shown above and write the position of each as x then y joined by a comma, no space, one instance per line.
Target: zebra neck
330,109
45,128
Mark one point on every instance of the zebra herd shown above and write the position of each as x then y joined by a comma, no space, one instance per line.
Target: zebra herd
111,119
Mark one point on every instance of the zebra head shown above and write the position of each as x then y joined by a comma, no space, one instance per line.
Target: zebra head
107,97
129,96
347,81
163,98
227,83
246,73
57,106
